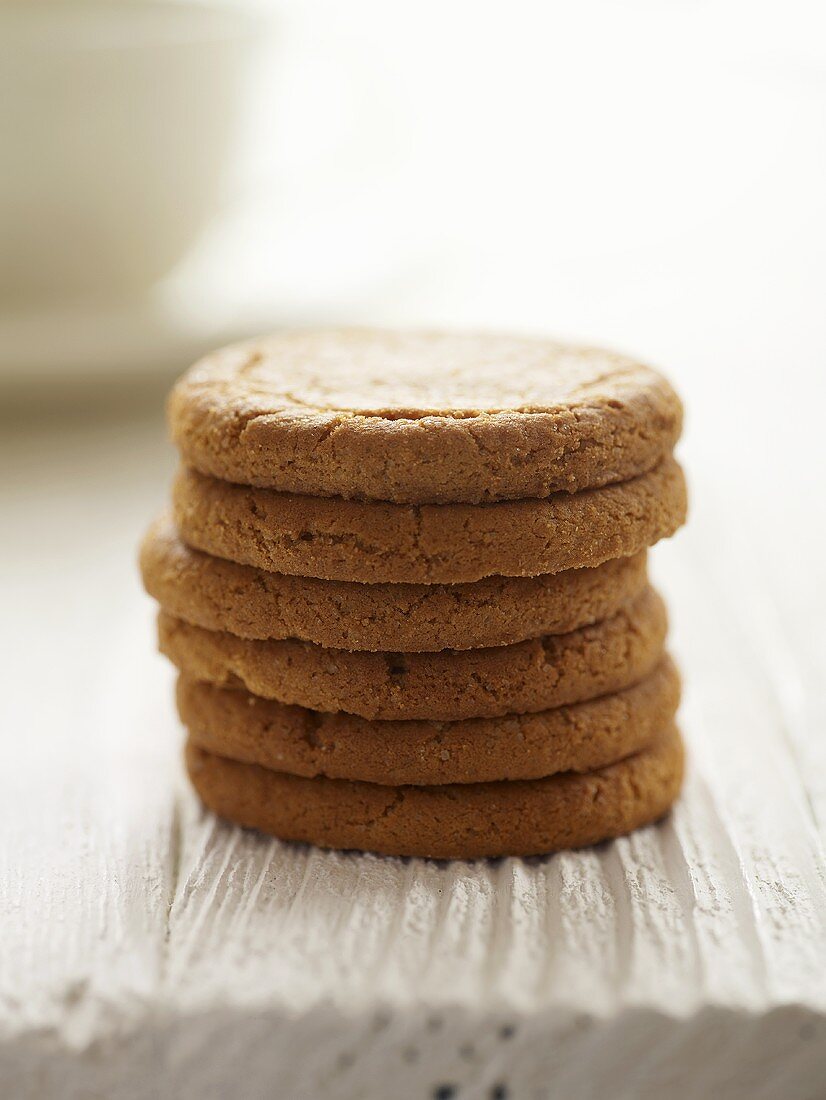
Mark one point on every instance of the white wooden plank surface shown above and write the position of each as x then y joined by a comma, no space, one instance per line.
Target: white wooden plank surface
149,950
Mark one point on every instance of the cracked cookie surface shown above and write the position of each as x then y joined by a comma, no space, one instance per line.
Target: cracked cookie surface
254,603
453,821
581,737
515,679
336,539
418,417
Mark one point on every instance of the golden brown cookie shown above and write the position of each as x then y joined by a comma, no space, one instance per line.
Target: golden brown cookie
252,603
579,738
525,817
338,539
421,417
447,685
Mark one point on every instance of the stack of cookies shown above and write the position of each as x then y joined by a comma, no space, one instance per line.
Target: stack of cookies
404,583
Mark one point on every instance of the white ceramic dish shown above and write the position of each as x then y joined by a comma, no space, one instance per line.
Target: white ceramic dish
116,125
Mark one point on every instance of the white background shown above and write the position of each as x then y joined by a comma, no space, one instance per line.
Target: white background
646,175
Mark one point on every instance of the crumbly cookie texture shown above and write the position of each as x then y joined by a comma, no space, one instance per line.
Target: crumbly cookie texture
422,417
453,821
447,685
579,738
253,603
337,539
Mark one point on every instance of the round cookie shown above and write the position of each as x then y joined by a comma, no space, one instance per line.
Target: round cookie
527,676
252,603
421,417
337,539
290,739
469,821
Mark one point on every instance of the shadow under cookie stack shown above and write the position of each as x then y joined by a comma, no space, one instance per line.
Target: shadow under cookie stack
404,583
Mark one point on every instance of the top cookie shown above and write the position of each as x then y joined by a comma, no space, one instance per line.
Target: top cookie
419,418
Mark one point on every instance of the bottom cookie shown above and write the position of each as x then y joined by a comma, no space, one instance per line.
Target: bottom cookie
454,821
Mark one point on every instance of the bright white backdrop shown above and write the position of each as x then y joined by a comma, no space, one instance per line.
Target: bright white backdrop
647,175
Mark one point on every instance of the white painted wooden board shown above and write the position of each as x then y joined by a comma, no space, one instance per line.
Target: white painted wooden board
149,951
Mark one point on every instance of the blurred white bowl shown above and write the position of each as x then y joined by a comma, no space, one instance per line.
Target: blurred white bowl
116,122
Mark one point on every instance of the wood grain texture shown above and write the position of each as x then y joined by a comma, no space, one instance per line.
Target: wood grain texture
149,950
